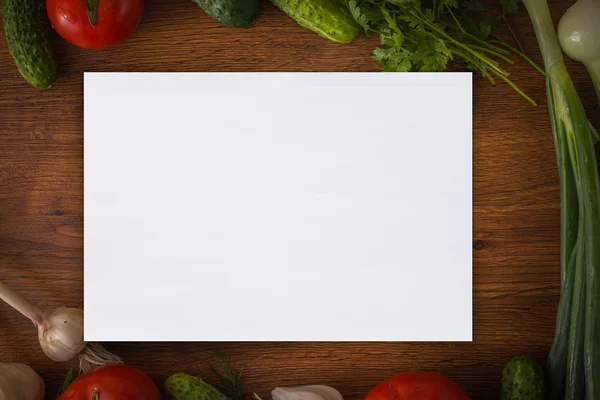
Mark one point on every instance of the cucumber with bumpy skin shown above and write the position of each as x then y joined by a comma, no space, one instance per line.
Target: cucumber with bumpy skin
523,379
235,13
328,18
26,28
182,386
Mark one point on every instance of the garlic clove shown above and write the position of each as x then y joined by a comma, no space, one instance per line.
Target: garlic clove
327,392
309,392
62,339
20,382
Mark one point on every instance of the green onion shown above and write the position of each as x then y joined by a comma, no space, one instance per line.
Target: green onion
573,363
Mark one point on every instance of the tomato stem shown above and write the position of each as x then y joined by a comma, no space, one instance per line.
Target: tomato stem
91,7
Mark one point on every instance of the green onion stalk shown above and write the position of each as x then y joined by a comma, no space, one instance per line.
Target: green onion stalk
573,368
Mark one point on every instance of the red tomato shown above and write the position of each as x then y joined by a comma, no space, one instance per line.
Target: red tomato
417,386
112,382
115,20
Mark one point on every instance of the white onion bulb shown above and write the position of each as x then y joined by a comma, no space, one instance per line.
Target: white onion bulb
579,36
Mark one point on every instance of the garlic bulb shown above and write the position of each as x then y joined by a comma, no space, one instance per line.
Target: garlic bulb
310,392
61,333
62,340
20,382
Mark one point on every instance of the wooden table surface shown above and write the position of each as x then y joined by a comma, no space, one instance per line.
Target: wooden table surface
516,206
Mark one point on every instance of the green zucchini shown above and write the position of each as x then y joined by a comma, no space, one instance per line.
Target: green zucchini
328,18
234,13
26,28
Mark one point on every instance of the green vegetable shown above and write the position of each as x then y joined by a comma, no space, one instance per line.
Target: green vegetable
235,13
26,28
573,370
522,379
421,35
182,386
328,18
230,380
71,375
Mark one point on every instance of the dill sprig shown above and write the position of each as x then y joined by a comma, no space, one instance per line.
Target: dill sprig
71,375
229,380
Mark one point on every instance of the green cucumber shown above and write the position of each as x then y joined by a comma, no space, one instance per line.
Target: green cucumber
328,18
26,28
523,379
235,13
182,386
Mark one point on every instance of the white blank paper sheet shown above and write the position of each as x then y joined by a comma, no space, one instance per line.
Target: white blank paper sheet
278,206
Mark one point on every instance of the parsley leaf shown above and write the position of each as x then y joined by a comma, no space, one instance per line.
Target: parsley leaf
473,6
425,35
509,6
431,55
487,26
367,15
358,15
391,39
393,60
447,3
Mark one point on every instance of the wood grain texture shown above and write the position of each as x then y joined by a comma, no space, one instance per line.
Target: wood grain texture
516,206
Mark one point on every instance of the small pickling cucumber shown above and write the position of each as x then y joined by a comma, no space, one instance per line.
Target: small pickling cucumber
26,28
523,379
182,386
235,13
328,18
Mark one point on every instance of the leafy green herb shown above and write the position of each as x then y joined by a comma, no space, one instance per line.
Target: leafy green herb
230,381
71,375
425,35
474,6
509,6
488,25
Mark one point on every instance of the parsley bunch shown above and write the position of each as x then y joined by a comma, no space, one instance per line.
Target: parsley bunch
424,35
